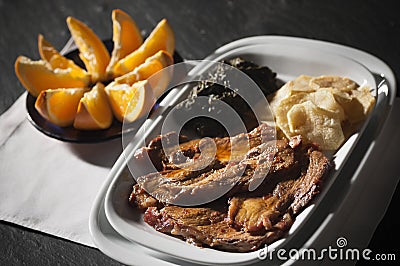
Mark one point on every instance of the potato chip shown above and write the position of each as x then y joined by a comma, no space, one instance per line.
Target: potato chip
344,84
279,95
298,85
323,110
284,107
363,95
324,99
354,110
356,104
302,84
340,96
315,125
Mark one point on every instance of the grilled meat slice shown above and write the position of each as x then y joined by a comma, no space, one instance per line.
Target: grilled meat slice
143,200
259,214
207,227
270,166
251,221
309,184
254,214
263,165
191,149
179,177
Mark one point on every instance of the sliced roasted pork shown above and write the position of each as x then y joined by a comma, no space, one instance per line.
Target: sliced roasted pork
272,182
207,227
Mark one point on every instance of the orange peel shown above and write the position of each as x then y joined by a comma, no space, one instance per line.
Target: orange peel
130,102
59,105
161,38
37,76
93,52
94,111
126,37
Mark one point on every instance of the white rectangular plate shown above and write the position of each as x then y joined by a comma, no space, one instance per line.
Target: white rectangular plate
289,57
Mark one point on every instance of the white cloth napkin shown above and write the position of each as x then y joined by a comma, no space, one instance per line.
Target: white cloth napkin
46,184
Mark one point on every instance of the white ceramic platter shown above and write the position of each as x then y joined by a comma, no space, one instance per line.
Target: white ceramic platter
289,57
289,61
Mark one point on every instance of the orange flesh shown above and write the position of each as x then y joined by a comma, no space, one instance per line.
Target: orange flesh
161,38
93,52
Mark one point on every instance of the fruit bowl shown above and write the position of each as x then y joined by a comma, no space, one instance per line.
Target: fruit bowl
71,134
86,94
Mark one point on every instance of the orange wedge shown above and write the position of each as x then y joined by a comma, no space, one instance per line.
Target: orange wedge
126,36
94,111
92,50
59,105
130,102
49,54
153,64
161,38
37,76
151,68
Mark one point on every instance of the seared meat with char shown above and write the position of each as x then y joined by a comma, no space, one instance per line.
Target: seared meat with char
255,214
248,219
207,227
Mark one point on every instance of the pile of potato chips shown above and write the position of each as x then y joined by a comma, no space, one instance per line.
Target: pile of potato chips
324,110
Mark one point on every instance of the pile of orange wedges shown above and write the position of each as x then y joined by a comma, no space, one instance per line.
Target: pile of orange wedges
111,85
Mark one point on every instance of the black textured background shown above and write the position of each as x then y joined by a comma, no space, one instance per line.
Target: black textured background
200,27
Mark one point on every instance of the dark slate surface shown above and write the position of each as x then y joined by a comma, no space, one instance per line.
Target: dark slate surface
200,27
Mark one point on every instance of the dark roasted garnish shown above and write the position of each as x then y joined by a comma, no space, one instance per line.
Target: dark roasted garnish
218,89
